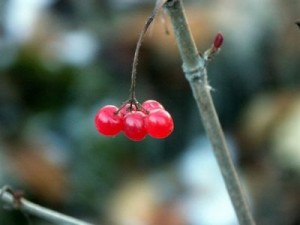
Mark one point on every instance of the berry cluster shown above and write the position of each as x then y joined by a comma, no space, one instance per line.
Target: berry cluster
135,120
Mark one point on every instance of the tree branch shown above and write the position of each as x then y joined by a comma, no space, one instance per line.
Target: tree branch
194,68
7,197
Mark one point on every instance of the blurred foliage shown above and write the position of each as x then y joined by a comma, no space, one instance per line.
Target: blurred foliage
36,85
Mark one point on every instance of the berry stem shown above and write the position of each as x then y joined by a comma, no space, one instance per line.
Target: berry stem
150,19
194,67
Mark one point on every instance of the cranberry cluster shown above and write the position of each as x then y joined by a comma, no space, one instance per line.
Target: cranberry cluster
135,120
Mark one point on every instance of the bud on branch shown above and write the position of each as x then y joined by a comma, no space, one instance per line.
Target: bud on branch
218,41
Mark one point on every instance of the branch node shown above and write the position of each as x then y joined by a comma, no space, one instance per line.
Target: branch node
210,54
194,74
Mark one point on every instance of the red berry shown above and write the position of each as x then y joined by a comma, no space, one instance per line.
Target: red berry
152,104
218,41
134,127
159,123
107,122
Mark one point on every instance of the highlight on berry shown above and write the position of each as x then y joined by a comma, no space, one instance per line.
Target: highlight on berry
135,120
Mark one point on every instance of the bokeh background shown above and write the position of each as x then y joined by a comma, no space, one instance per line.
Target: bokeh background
62,60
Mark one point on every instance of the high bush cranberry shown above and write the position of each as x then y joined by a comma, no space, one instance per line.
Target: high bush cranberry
159,123
152,104
134,127
107,122
135,119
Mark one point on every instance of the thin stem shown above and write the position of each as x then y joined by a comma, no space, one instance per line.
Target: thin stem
195,71
150,19
37,210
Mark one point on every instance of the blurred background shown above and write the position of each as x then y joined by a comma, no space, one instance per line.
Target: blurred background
62,60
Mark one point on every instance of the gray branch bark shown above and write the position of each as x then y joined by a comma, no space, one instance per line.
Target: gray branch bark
194,68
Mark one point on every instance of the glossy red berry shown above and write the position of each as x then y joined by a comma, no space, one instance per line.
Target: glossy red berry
107,122
218,41
152,104
159,123
134,127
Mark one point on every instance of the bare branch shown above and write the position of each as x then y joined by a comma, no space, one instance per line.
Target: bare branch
194,67
8,197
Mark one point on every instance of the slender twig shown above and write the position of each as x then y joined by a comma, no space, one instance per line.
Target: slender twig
150,19
7,197
194,68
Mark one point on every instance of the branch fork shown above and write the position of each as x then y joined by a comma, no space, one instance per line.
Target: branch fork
196,73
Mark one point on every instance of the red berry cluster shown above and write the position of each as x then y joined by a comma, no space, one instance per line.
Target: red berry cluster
135,120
